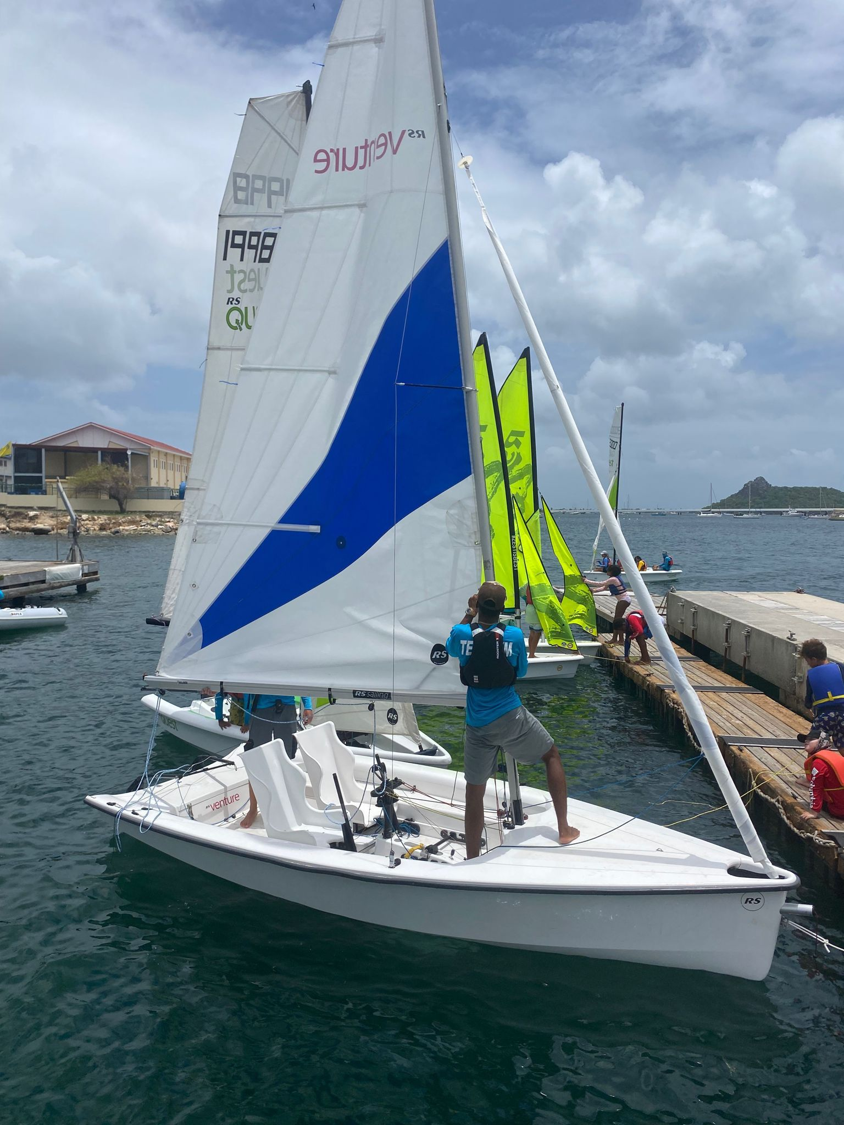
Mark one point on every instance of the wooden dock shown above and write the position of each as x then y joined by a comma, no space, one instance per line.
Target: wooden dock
757,736
20,580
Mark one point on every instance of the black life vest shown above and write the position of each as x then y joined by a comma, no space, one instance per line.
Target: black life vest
488,665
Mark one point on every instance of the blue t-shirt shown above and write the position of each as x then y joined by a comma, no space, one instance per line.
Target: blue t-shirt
484,705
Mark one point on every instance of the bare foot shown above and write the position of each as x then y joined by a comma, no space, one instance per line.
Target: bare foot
249,819
809,814
569,835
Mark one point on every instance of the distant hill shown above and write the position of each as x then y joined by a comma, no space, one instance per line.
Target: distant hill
765,495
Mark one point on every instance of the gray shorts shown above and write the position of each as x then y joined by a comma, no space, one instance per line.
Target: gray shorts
279,720
518,733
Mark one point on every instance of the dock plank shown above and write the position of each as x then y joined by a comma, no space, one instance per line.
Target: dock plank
773,773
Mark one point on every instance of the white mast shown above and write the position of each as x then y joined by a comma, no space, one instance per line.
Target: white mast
688,697
458,273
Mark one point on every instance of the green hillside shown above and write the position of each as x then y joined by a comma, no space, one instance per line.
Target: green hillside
765,495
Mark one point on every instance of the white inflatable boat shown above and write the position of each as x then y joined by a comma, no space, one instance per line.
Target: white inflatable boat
31,617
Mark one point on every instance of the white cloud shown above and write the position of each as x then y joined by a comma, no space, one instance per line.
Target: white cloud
669,190
117,126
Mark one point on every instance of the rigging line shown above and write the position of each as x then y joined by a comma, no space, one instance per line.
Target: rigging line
814,935
144,775
624,823
720,808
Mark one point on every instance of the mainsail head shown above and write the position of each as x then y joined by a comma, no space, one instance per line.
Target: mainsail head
337,537
247,233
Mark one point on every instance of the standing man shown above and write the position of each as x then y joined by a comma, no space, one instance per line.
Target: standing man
267,717
492,657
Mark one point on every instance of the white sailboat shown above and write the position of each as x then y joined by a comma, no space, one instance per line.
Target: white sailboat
388,729
709,513
652,575
338,545
748,515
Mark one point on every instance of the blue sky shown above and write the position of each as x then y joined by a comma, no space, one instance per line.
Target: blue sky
668,179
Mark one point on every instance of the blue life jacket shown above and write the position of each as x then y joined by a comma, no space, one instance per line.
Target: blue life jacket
827,686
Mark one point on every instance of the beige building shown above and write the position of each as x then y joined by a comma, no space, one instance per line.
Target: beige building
153,464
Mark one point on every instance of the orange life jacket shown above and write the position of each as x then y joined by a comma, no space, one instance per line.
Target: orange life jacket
833,759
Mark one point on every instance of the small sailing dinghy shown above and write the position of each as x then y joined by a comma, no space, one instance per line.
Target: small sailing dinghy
516,557
396,735
573,603
652,576
31,617
337,542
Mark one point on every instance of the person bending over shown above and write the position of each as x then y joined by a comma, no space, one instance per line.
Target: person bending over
636,629
492,657
615,586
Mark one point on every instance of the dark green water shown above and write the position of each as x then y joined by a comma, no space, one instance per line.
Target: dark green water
138,991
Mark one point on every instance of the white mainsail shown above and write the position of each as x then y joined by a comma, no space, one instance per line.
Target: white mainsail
615,462
337,537
247,235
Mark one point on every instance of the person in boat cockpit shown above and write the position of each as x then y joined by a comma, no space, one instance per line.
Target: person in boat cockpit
492,658
267,717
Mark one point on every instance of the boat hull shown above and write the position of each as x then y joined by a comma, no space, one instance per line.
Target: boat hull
31,617
201,730
553,665
651,577
716,931
587,649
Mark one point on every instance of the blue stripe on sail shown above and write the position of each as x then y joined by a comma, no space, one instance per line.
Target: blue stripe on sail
351,495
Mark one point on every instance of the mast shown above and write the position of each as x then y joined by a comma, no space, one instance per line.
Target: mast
308,92
458,275
618,470
687,695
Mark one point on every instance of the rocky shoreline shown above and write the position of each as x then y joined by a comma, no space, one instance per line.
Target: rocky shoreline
19,521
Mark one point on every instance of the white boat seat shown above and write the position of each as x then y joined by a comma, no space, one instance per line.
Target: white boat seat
324,755
279,785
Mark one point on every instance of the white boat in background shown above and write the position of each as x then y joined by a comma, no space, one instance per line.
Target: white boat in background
656,577
651,577
748,515
362,730
588,650
31,617
709,513
334,551
794,513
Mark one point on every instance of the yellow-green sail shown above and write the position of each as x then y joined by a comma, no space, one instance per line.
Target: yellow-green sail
515,408
495,471
578,602
545,601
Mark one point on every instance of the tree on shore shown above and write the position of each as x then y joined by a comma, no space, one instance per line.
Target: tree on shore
114,480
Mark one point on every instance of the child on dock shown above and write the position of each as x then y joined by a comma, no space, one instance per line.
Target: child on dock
636,629
825,776
824,693
615,586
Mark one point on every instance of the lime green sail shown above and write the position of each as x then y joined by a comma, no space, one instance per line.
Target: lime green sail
578,602
515,408
542,595
504,554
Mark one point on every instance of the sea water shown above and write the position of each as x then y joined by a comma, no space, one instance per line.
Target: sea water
137,990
